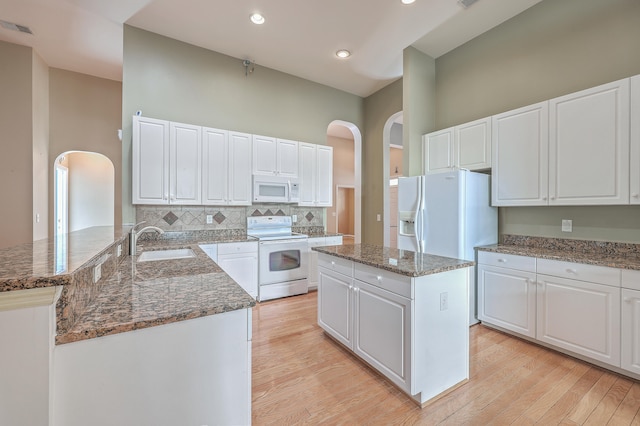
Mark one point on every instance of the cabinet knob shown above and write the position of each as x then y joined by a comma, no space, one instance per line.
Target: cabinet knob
379,277
553,198
571,271
627,300
544,198
501,260
636,195
333,263
350,287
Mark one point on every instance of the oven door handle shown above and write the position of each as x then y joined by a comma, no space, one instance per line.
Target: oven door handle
284,242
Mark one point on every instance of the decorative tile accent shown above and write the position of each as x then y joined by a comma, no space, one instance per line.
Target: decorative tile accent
256,212
268,213
280,213
170,218
309,216
219,217
188,218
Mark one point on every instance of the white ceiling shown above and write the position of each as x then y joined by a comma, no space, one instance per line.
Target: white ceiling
298,38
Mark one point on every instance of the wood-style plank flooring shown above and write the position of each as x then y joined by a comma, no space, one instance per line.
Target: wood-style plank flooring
300,376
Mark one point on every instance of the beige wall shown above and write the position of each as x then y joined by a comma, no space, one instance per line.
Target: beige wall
16,161
176,81
554,48
86,113
91,190
395,160
343,172
41,166
378,108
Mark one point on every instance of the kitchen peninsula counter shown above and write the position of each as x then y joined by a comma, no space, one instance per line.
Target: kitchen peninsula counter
403,262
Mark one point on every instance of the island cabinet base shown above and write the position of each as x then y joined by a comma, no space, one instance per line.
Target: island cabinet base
193,372
413,330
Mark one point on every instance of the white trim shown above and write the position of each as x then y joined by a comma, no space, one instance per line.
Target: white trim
28,298
386,144
337,190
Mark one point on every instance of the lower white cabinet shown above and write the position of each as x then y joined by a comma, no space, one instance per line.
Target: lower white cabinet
240,262
630,356
569,306
312,256
396,323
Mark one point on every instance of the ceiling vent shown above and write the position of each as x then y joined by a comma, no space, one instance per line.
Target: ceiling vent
466,3
15,27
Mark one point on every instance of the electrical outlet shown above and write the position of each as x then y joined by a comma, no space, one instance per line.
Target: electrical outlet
119,250
97,272
567,225
294,218
209,219
444,301
378,217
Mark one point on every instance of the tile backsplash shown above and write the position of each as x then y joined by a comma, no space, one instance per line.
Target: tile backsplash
192,218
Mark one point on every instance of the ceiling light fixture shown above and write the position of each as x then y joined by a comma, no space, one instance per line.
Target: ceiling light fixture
343,53
257,19
408,1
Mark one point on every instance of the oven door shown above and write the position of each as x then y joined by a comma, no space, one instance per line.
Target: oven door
282,261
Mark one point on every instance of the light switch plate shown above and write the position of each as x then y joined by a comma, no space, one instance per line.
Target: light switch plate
97,272
567,225
209,219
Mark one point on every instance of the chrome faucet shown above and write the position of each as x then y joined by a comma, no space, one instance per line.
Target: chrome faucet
133,236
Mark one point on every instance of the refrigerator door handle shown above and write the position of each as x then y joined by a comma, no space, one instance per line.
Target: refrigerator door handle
419,215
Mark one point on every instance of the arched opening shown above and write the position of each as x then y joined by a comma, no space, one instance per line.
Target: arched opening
345,135
392,161
84,191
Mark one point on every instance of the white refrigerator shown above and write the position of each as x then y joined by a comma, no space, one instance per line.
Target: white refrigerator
447,214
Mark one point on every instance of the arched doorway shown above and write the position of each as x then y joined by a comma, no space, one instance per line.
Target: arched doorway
391,140
84,191
347,132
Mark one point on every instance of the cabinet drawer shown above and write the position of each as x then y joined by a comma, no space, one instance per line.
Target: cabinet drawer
336,264
395,283
230,248
334,241
511,261
580,271
317,241
631,279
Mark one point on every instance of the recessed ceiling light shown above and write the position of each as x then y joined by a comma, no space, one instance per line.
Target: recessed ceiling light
343,53
257,19
408,1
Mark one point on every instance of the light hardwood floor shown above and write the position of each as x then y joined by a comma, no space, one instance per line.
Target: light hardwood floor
300,376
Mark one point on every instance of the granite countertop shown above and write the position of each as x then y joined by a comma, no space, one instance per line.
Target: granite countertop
146,294
601,253
402,262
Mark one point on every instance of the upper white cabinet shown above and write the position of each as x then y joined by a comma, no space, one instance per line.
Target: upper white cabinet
589,146
316,175
226,164
467,146
634,163
272,156
520,146
166,162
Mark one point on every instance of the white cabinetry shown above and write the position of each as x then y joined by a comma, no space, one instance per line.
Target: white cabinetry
312,256
226,164
630,357
316,175
466,146
166,162
240,262
634,163
507,292
520,146
589,146
272,156
396,324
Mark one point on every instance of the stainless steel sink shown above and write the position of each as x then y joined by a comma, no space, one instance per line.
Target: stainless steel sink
170,254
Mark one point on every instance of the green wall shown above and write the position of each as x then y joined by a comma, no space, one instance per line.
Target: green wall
554,48
176,81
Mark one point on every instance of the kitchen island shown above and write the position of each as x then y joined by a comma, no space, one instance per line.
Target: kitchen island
403,313
93,336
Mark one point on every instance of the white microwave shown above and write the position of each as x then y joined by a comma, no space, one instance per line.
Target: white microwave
275,189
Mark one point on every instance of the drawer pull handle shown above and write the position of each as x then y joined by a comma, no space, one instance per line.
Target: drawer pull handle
571,271
501,260
628,300
333,263
379,277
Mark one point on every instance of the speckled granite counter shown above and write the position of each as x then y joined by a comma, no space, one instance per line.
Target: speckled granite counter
402,262
602,253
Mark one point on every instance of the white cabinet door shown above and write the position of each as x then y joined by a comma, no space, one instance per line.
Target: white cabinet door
240,262
312,260
630,358
265,155
589,146
472,149
215,166
520,149
324,176
239,169
185,164
382,332
507,298
438,151
307,169
287,158
579,316
335,305
150,161
634,162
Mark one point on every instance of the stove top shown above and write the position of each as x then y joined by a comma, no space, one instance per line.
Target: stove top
267,228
